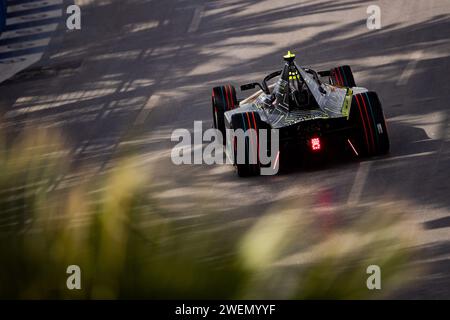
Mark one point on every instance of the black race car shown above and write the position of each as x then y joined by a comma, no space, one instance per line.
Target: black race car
314,113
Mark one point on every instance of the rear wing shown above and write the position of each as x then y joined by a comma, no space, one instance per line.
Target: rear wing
324,73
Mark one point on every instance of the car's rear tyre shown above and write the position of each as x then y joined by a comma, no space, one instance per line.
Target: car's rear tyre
250,166
342,76
223,100
372,136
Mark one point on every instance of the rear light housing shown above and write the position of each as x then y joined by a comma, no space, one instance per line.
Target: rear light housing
315,144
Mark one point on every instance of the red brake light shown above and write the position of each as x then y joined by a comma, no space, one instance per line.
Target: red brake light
315,144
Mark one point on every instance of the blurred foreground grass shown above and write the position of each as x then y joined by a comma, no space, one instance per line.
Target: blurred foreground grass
114,229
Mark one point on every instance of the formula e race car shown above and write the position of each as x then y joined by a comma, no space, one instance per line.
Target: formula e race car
312,113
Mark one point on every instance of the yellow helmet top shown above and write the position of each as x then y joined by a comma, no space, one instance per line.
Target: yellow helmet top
290,56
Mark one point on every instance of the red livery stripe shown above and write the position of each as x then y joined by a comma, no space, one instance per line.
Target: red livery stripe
231,97
369,123
257,142
341,81
250,137
363,121
335,79
226,97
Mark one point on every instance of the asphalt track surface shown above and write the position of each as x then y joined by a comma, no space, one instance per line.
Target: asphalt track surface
140,69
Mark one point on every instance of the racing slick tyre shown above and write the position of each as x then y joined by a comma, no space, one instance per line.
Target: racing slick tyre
246,155
223,99
342,76
372,135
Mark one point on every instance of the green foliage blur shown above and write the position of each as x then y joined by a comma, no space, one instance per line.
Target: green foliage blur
114,229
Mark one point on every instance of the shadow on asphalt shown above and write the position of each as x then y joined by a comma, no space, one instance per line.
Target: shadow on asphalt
98,100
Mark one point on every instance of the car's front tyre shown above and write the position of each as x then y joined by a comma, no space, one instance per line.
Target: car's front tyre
342,76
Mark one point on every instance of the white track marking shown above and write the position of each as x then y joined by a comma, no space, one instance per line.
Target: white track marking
358,184
33,5
151,103
407,156
9,67
34,17
363,172
196,19
409,70
21,60
29,31
25,45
